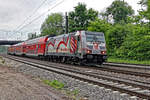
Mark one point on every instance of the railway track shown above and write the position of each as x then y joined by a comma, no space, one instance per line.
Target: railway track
139,89
127,71
133,69
99,71
137,66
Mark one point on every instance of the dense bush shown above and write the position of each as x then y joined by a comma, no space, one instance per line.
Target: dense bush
136,45
99,26
115,37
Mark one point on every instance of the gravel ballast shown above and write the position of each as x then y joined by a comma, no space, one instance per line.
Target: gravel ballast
85,90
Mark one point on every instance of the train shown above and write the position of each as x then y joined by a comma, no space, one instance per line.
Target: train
80,47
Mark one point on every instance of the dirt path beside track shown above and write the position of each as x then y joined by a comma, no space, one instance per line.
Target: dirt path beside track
16,86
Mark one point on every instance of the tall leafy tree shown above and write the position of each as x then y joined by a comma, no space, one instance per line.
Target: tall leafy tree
145,9
136,45
81,16
119,11
53,25
99,26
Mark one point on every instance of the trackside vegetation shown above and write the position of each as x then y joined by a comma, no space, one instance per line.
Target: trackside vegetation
55,84
2,61
127,35
118,60
73,94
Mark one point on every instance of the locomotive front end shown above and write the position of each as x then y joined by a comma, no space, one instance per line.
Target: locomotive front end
95,47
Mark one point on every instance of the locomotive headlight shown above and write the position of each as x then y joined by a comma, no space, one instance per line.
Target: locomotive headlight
95,44
89,51
103,52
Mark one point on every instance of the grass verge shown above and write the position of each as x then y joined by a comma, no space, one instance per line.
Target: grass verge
118,60
73,94
55,84
2,60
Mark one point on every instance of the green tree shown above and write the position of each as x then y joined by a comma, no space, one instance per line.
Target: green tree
136,45
79,18
115,37
53,25
99,26
145,9
119,11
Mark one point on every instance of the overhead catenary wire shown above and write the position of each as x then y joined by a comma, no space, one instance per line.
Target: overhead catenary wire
41,15
31,14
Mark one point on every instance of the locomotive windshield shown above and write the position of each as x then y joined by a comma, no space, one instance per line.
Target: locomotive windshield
95,37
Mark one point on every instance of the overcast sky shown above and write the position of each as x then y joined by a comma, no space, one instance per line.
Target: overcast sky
13,13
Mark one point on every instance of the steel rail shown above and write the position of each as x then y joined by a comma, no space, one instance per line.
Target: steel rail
137,66
141,74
